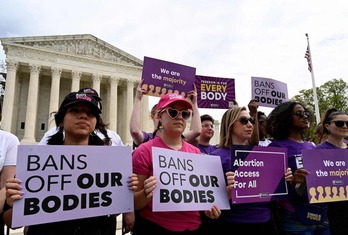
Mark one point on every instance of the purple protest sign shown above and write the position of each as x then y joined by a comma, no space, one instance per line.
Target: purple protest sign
268,92
162,77
259,172
328,178
214,92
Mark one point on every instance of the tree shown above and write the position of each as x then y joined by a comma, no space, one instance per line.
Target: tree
332,94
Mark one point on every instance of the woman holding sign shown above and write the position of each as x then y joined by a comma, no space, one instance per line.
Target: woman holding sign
140,136
77,119
335,128
173,111
287,124
237,127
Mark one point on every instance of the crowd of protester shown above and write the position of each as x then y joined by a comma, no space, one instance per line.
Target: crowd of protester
284,127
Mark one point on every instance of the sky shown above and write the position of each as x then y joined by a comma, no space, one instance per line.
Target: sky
224,38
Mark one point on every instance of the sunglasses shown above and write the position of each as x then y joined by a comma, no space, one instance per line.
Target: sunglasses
245,120
208,125
340,124
301,114
174,113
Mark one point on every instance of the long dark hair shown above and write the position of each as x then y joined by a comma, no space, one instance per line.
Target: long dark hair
94,139
278,122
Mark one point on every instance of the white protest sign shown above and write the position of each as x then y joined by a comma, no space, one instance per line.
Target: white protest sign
70,182
187,181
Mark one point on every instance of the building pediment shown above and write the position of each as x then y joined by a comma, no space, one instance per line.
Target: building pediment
81,45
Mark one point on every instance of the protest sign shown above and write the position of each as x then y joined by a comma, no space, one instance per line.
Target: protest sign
215,92
187,181
162,77
328,178
70,182
268,92
259,173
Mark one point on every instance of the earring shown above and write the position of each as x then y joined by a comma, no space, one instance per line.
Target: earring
62,132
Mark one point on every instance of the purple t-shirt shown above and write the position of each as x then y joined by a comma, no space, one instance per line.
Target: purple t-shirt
207,149
241,213
147,136
294,152
326,145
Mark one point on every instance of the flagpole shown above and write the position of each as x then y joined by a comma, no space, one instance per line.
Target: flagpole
317,113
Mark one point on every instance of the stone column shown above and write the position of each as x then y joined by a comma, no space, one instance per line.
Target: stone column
121,119
9,97
30,117
129,102
96,79
113,103
54,98
76,77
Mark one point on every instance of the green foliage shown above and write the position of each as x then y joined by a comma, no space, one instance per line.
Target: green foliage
332,94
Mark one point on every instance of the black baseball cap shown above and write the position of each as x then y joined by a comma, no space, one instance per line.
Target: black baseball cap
91,92
77,97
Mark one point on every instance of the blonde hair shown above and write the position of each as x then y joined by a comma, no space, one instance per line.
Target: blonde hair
228,119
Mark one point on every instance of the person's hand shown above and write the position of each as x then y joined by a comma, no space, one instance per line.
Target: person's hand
213,213
13,190
252,106
128,221
150,185
133,182
300,176
230,183
193,95
140,91
230,179
289,177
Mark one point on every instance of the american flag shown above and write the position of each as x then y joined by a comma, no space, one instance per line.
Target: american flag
308,57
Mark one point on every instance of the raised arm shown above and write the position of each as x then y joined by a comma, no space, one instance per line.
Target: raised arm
134,124
196,125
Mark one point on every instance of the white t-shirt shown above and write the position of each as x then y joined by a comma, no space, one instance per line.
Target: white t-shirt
265,142
115,138
8,149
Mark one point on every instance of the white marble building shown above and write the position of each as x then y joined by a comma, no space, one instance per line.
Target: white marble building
42,70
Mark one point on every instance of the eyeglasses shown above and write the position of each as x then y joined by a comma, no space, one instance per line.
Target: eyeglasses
174,113
340,124
301,114
206,125
245,120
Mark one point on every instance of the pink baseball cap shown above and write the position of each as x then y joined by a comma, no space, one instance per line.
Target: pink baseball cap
168,99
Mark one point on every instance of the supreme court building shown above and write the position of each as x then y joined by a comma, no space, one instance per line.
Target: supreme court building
42,70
